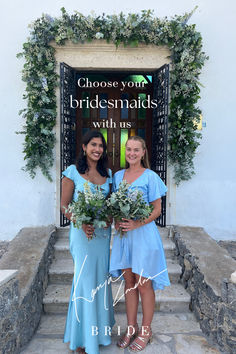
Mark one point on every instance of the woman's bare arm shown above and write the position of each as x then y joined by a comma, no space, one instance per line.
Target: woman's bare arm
67,191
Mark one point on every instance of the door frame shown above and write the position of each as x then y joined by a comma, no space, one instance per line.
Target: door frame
98,56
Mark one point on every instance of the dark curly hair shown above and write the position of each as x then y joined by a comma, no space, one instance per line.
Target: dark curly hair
82,165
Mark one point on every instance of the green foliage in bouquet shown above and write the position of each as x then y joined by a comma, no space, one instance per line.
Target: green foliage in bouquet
128,203
89,208
39,74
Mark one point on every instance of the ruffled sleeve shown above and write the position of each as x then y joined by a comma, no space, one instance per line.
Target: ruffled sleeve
114,182
156,187
70,172
110,176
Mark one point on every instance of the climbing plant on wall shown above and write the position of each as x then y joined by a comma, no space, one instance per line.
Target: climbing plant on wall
39,74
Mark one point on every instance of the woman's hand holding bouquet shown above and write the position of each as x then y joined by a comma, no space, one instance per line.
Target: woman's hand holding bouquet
89,211
128,208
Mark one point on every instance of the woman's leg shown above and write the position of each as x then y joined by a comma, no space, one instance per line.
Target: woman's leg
148,304
131,302
131,296
147,298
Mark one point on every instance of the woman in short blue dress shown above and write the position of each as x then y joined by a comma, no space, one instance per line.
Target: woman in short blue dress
90,312
139,255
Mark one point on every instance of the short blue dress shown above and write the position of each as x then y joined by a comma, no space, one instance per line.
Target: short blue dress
90,312
141,249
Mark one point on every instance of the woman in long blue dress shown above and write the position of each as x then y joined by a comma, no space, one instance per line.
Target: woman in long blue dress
90,313
139,255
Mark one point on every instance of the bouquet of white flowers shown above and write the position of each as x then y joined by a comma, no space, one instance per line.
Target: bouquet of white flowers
89,208
129,204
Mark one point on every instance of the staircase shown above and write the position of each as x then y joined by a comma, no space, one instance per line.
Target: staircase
172,316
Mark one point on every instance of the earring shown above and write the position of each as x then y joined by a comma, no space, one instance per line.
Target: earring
84,153
142,158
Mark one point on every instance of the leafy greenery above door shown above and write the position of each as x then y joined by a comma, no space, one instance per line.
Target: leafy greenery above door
39,73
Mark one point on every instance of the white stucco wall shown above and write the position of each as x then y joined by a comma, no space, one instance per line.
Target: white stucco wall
209,199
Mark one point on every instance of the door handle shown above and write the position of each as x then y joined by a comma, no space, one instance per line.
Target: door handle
116,154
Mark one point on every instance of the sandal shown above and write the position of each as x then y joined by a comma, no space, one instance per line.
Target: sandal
80,351
127,337
140,342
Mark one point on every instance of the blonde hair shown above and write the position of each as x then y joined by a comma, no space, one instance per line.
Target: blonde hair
145,160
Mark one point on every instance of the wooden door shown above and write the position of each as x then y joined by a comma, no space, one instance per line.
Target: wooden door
115,123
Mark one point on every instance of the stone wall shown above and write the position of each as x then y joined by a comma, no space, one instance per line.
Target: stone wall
3,247
9,305
21,297
230,246
206,271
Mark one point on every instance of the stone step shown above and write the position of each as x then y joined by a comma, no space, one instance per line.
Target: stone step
172,333
53,325
63,232
173,298
62,248
61,271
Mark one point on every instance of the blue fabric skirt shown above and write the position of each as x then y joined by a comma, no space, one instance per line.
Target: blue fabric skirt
142,251
90,312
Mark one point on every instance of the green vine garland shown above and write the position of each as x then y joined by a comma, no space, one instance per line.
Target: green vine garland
187,58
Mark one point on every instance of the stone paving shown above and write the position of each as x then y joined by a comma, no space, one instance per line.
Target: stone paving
172,334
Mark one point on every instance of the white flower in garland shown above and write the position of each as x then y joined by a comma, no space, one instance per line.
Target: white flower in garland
99,35
44,83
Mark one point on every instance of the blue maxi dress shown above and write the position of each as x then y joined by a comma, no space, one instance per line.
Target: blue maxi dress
141,249
90,312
